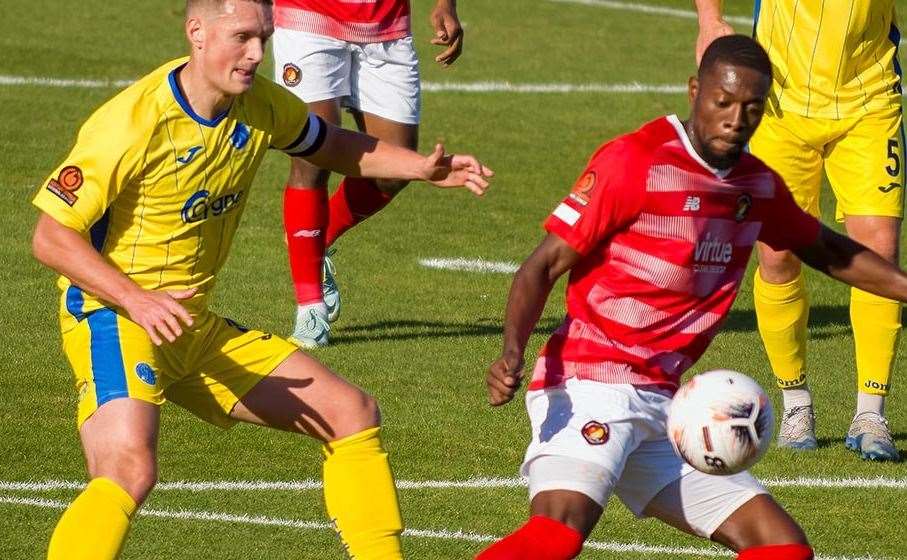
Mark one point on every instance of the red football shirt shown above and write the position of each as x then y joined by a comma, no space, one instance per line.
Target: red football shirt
356,21
665,241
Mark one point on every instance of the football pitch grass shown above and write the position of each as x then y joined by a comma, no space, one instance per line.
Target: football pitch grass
418,338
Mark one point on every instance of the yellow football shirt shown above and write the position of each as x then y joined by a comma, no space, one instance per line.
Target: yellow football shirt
159,190
831,58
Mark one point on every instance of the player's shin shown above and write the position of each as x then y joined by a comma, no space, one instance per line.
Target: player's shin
94,525
782,311
355,200
360,496
305,221
876,325
777,552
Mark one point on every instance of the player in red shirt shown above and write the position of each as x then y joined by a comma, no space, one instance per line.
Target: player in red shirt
656,235
356,54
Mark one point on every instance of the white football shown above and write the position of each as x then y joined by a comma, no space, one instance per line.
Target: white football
721,422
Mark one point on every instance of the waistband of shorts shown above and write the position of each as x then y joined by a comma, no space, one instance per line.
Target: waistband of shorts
308,21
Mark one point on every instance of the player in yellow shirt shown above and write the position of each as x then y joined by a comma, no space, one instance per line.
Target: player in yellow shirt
138,220
835,104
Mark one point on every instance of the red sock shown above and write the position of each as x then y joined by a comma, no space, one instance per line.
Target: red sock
305,216
777,552
355,200
541,538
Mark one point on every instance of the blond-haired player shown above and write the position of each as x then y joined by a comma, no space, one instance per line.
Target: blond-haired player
835,105
139,218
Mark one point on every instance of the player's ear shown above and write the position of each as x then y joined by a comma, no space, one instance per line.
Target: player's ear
195,31
693,88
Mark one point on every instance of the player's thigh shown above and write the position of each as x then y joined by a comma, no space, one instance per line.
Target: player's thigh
582,434
303,395
791,146
385,81
761,521
312,67
113,358
865,166
248,375
694,502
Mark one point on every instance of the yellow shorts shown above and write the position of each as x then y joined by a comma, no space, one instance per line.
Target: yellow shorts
206,371
863,157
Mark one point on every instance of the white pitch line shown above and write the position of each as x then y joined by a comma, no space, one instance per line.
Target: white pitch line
471,265
650,9
471,483
468,87
459,535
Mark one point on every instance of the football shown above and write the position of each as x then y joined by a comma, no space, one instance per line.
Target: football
721,422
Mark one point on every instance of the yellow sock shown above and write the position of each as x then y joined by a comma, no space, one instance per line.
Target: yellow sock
876,324
361,498
94,526
782,311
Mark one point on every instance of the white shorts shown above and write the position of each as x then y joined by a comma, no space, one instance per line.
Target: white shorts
598,439
377,78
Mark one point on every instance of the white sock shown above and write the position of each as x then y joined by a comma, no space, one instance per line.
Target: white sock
797,397
870,403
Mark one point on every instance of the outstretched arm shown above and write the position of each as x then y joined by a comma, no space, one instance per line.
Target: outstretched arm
68,253
849,261
711,25
360,155
528,294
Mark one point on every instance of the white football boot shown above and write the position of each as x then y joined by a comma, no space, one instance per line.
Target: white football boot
870,436
798,429
329,291
312,327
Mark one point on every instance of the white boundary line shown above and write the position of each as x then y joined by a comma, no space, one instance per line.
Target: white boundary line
651,9
471,483
195,515
468,87
471,265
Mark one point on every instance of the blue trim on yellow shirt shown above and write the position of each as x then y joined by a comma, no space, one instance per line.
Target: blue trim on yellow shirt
181,99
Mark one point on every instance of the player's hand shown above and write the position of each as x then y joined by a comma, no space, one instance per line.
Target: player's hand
448,32
448,171
159,313
504,378
708,32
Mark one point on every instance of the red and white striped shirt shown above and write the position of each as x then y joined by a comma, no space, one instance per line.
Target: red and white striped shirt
665,241
355,21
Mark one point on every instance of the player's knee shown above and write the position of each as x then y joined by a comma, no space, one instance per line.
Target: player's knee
304,174
778,267
133,470
391,186
760,522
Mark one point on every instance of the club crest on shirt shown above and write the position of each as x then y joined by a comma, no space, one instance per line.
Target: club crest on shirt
68,181
292,75
582,191
744,203
596,433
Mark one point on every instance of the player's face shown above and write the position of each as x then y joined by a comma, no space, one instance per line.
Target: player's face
727,105
234,44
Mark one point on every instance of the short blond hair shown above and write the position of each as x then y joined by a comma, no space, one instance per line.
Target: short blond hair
194,5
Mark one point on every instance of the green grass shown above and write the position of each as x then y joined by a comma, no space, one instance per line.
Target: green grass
418,339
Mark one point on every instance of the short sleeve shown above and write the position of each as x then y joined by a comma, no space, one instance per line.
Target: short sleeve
296,131
95,172
605,199
787,227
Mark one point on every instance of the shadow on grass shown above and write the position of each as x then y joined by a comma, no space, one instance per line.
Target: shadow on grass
410,329
825,321
824,442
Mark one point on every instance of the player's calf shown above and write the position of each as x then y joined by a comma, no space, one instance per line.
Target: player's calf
760,529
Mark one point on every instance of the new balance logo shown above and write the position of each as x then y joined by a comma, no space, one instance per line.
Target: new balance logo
692,204
307,233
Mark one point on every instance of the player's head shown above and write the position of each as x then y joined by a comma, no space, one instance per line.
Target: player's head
727,98
228,40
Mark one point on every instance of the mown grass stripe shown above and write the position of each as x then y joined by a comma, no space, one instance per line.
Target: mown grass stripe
195,515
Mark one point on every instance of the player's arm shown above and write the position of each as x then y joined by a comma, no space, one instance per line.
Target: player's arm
448,31
712,25
359,155
855,264
66,251
528,294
